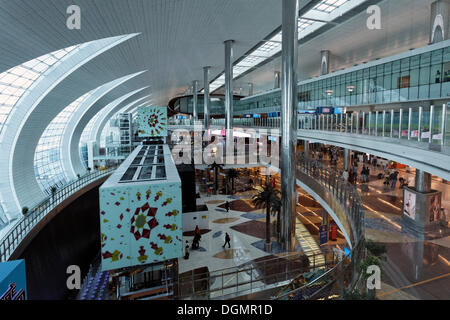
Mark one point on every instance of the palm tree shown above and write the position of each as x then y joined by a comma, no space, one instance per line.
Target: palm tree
214,166
265,199
276,209
232,174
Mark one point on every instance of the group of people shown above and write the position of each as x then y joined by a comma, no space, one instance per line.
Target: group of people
196,240
365,174
390,179
332,154
352,175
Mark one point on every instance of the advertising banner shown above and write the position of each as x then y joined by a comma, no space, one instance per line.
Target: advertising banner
409,204
435,208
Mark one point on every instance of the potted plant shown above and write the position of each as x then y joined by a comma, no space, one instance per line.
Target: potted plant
265,199
216,168
24,211
276,210
53,191
232,174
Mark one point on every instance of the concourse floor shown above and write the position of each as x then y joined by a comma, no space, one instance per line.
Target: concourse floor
246,226
247,232
414,268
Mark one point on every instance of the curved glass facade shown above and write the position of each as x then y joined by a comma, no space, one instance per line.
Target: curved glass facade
18,81
47,158
415,77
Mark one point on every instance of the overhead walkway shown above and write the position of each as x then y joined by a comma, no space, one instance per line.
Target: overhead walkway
399,135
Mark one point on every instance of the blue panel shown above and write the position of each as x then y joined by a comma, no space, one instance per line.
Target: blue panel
446,89
424,92
13,284
435,91
413,93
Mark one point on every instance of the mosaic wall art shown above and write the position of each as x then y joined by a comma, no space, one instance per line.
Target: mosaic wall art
152,121
140,224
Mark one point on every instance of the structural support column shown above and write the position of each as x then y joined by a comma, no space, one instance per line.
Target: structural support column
306,148
206,97
229,101
423,181
228,85
250,89
288,121
276,79
346,159
195,99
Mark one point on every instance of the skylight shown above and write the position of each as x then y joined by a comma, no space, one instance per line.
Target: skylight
47,157
318,16
16,82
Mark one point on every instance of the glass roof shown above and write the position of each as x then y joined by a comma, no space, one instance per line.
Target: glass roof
48,166
85,136
318,16
17,81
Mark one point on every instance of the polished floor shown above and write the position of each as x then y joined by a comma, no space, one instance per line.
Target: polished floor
413,268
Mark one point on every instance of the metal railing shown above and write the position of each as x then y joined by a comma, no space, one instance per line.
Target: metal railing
337,188
344,199
333,283
10,242
249,278
422,124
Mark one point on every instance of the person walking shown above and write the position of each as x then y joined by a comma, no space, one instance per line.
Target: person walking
355,173
227,240
394,177
227,206
345,175
186,251
197,230
197,237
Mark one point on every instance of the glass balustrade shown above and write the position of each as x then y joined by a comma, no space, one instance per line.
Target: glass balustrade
423,124
22,227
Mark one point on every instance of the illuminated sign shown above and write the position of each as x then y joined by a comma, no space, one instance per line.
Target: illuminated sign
409,204
306,111
339,110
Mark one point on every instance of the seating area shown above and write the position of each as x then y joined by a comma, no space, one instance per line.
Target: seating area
95,284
